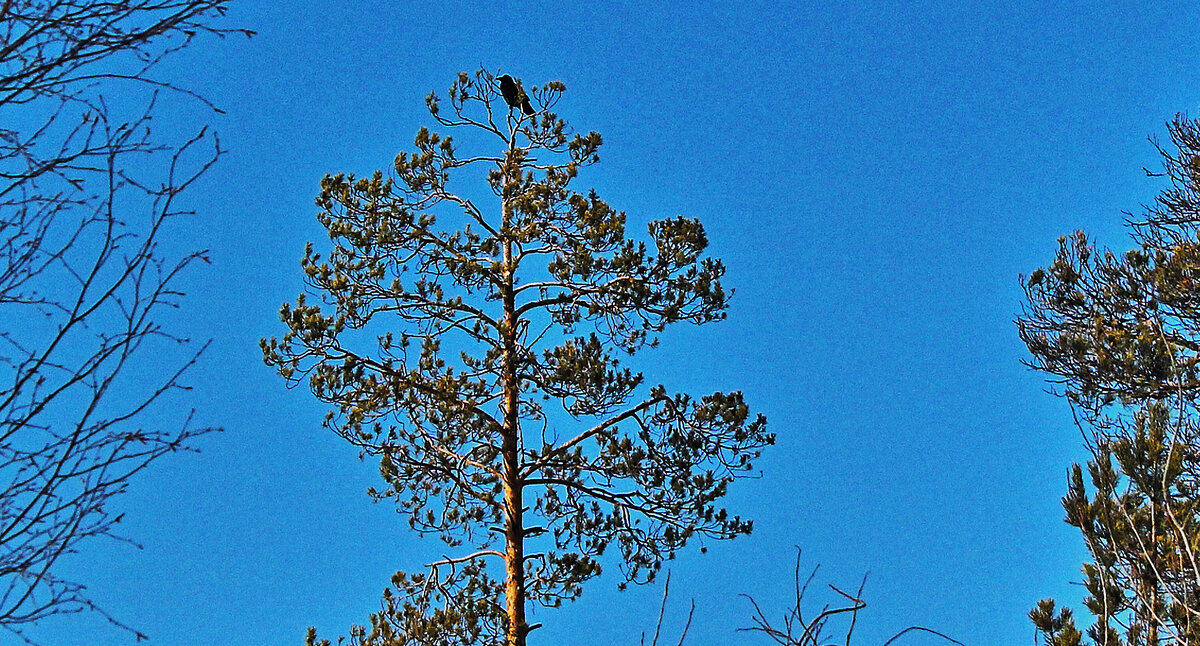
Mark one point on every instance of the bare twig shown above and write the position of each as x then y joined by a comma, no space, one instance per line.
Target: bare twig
795,630
84,279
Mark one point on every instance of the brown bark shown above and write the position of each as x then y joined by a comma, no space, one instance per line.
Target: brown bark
514,552
514,534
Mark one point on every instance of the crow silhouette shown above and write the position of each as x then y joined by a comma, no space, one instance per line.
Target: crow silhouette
514,96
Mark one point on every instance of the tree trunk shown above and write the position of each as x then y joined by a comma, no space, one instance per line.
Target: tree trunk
514,552
514,528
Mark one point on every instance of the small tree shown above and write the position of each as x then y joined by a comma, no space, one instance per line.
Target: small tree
1121,335
449,323
83,280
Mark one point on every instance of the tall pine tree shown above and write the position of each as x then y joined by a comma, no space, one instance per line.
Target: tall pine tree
471,340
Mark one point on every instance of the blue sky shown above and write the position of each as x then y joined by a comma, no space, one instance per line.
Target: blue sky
875,177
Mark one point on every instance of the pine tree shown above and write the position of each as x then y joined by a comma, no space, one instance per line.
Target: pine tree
471,340
1121,334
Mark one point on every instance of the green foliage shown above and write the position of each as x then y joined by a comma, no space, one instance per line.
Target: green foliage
1121,335
1142,527
1121,328
1057,630
472,343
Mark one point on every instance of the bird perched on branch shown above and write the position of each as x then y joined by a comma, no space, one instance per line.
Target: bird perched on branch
514,96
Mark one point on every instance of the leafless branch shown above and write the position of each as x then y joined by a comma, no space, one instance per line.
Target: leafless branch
795,630
85,279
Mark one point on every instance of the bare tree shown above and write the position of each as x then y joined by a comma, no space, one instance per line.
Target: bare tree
84,277
794,629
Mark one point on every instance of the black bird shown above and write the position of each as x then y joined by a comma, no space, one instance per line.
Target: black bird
514,96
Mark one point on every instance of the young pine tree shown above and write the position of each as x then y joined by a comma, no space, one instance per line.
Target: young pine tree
470,339
1139,519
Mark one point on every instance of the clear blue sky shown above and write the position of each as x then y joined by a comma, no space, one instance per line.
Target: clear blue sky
875,176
